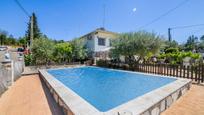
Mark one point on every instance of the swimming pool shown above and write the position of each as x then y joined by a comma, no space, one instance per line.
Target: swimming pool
105,88
94,90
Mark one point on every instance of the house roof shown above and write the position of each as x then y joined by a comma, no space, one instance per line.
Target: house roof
99,30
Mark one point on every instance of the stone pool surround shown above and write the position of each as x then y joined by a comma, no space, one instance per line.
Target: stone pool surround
151,103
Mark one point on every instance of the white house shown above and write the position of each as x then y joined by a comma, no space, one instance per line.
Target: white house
98,42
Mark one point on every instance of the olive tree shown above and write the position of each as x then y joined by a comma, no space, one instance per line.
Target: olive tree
42,50
79,50
142,44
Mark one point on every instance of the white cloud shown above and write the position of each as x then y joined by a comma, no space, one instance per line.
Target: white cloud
134,9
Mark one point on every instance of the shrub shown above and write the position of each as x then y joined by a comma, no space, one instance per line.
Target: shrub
101,63
28,59
42,50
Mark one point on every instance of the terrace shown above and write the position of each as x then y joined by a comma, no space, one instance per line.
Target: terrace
33,97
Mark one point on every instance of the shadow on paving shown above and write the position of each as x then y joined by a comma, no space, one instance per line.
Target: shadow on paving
54,107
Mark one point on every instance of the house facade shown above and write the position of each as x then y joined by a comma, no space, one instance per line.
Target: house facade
98,42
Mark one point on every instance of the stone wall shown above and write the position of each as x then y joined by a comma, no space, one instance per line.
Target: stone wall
18,69
160,107
6,74
5,78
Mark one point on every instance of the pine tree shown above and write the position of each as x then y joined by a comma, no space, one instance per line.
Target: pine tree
36,31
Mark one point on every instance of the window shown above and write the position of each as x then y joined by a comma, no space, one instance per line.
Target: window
101,41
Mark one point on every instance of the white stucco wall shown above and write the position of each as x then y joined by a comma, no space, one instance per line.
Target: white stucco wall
90,44
100,47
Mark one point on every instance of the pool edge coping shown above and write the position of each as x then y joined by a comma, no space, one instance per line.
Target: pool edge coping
77,105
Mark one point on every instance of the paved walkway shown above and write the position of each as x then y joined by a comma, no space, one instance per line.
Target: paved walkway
28,96
192,103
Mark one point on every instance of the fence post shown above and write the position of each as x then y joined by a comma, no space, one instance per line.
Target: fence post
184,71
174,73
177,70
199,73
154,68
157,66
165,69
180,70
149,66
188,72
196,71
192,75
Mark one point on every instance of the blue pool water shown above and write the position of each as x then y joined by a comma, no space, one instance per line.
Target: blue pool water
105,88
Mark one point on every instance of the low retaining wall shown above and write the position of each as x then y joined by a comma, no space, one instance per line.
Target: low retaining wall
28,70
55,95
6,78
161,106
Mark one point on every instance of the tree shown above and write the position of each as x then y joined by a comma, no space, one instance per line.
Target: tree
42,50
36,31
10,40
201,44
63,52
173,44
202,38
58,41
192,43
6,39
3,36
143,44
22,41
80,53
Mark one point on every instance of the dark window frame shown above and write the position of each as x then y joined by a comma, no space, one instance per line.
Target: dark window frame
101,41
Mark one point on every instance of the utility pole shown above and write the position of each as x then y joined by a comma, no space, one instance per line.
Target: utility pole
169,34
31,32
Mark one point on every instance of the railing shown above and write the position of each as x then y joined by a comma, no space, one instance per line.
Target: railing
196,73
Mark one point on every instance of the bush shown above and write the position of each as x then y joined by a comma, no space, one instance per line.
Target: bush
175,57
171,50
101,63
28,59
42,50
62,52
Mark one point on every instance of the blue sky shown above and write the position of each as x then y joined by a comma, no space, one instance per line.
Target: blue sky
66,19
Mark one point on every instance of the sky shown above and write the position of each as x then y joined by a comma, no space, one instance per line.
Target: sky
68,19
